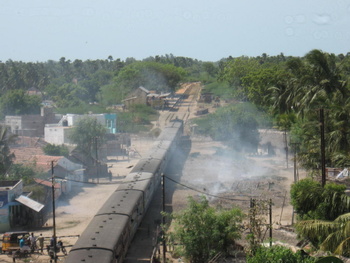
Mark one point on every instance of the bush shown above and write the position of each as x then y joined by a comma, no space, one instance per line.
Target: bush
312,201
278,254
56,150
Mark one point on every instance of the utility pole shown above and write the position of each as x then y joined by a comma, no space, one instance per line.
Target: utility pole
270,217
286,146
323,153
53,213
163,219
96,154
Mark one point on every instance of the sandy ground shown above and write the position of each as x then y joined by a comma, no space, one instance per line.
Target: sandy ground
238,177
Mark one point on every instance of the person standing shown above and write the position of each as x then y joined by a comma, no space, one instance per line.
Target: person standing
21,242
32,241
41,243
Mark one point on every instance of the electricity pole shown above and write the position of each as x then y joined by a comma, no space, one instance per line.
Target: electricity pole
96,160
286,146
53,213
163,219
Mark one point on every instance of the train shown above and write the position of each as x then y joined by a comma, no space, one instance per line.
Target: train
110,232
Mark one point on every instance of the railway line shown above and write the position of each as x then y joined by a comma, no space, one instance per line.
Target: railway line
109,234
184,106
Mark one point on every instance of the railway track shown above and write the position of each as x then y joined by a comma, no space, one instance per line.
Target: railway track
184,107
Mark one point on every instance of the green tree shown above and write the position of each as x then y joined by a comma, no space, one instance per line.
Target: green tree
204,232
234,70
85,133
56,150
6,157
21,172
17,102
70,95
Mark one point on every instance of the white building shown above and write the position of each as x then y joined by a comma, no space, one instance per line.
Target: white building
59,133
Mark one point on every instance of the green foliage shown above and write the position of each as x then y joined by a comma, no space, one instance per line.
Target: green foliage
69,95
83,108
312,201
236,124
6,157
85,133
136,119
56,150
203,231
21,172
150,75
329,259
220,89
17,102
329,236
278,254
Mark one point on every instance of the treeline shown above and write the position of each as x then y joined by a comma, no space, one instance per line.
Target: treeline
289,90
74,85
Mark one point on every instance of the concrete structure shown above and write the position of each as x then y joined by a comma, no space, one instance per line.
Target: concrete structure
30,125
57,134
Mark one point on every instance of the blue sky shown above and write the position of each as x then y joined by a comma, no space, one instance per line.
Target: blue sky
207,30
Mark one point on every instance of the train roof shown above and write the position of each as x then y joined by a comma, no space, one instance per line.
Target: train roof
159,150
120,202
104,231
90,256
136,181
148,165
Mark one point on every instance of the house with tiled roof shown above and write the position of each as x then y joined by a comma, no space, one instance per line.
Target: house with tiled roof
63,168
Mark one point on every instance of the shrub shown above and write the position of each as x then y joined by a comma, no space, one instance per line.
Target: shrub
278,254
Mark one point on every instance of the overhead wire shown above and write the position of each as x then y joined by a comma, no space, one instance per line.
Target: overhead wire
167,177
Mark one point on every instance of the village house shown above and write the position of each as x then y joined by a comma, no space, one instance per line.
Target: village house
138,96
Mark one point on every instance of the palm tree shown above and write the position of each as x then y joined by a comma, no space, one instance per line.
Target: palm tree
314,81
333,236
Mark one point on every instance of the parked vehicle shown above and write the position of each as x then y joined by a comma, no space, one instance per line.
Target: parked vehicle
10,241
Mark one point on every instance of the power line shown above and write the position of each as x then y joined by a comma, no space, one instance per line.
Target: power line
174,181
202,192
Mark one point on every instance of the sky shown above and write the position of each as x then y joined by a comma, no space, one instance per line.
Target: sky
207,30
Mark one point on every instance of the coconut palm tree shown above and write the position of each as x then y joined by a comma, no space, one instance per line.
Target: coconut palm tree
333,236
